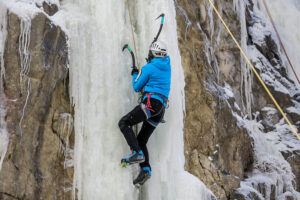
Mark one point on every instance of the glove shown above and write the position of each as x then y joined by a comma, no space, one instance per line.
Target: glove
134,70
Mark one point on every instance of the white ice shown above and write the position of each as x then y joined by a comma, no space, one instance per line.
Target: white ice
4,136
102,93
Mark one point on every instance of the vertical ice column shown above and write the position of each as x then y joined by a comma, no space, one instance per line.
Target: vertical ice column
24,41
101,92
4,137
3,35
246,72
25,59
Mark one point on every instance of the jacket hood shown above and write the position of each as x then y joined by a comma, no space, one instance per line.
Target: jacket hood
161,63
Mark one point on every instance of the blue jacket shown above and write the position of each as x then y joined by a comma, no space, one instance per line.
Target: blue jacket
155,77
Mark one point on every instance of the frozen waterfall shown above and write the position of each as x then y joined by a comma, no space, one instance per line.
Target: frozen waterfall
102,93
100,84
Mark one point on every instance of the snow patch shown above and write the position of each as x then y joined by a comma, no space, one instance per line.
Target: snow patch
294,109
228,90
25,10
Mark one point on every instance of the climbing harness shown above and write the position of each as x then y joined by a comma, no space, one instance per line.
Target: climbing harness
280,41
147,107
165,99
254,70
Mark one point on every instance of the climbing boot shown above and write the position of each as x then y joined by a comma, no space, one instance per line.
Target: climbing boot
143,176
136,157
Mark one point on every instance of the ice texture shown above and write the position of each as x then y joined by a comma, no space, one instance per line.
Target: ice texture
102,93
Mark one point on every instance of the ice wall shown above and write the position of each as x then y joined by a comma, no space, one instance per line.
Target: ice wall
102,93
169,180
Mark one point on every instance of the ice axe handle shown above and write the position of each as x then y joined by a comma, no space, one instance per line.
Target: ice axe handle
161,26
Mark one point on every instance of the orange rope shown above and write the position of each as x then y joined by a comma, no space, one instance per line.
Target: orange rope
255,72
132,33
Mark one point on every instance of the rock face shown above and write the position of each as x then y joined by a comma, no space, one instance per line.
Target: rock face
39,115
218,150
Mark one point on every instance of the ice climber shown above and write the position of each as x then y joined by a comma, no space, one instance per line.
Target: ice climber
154,80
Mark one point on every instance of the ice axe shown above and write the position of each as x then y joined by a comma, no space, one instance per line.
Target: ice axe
162,16
126,46
161,26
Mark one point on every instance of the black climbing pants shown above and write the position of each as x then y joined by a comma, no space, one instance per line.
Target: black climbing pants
150,118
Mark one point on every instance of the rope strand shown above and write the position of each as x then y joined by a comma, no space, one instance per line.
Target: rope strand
255,72
132,33
136,53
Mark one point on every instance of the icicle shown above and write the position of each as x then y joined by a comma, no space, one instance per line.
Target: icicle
187,20
3,35
210,53
24,41
25,60
24,107
4,136
246,72
211,20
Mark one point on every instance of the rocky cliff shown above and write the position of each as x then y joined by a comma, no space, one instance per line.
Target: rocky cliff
38,110
219,150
